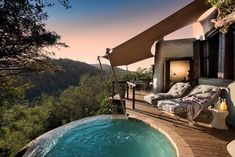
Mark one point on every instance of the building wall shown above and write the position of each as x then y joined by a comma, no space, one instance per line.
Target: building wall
169,49
231,104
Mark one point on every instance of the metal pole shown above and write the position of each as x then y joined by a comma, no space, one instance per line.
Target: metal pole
98,58
113,89
115,79
133,99
127,91
101,67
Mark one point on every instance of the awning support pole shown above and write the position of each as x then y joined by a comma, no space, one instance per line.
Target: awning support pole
98,58
115,80
101,67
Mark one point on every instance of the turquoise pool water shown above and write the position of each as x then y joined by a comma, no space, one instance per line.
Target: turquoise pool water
103,136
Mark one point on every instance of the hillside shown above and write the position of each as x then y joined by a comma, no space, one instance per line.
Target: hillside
52,83
107,67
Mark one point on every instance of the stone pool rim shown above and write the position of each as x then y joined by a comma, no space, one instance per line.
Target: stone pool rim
181,147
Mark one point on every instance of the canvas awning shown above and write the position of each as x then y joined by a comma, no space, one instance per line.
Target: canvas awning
139,47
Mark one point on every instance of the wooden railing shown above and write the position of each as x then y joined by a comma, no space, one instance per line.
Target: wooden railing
134,85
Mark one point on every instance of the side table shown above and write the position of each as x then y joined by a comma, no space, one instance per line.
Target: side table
218,121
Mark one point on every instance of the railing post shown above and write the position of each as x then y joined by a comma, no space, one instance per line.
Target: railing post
113,93
127,91
133,99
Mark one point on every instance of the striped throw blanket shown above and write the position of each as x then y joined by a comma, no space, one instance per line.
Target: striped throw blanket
193,105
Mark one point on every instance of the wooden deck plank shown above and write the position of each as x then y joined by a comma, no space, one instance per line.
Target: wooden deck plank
204,141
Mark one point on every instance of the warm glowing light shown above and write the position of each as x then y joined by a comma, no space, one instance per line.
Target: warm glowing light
179,70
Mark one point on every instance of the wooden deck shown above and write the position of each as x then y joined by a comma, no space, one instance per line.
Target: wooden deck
203,140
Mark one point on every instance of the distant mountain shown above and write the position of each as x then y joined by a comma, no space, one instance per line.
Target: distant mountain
52,83
107,68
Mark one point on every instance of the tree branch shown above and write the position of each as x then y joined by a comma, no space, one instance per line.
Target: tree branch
224,23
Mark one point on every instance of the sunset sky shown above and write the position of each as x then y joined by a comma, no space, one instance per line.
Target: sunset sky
91,26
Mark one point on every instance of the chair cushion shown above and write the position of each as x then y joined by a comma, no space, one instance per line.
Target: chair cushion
179,89
206,91
202,94
184,104
171,106
154,98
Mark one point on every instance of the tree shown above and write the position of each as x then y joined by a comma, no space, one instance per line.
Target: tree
22,122
226,15
23,36
12,91
139,74
87,99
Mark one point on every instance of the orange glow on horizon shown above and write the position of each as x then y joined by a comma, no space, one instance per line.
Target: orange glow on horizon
86,43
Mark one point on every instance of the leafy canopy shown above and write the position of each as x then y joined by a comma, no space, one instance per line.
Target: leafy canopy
226,15
23,36
22,121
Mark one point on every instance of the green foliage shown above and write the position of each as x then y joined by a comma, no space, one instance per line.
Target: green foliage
226,15
24,43
221,3
11,91
23,36
84,100
140,74
20,123
104,106
51,83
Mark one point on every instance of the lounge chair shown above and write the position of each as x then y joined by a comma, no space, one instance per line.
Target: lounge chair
178,90
199,98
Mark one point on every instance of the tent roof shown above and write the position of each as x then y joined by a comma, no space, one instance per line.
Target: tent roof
139,47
